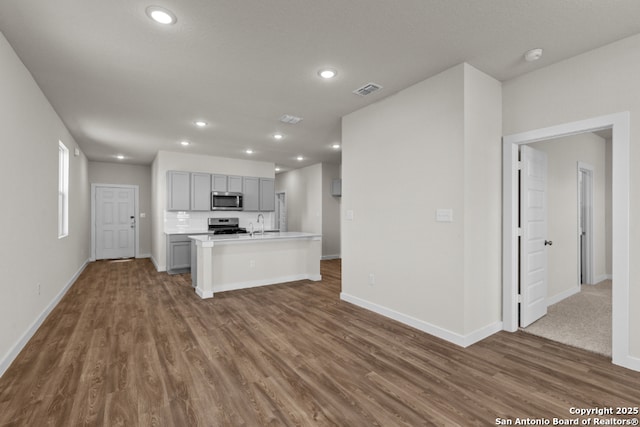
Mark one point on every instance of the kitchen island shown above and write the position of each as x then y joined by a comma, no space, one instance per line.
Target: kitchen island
239,261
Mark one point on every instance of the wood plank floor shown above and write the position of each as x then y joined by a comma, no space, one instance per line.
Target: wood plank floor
132,347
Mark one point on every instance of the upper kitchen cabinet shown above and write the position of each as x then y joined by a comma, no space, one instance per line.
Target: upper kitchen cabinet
219,183
267,194
178,189
259,194
200,191
224,183
251,187
234,184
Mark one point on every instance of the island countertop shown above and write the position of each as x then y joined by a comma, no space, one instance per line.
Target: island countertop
226,262
257,237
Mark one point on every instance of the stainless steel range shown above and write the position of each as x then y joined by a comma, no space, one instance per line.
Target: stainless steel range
225,226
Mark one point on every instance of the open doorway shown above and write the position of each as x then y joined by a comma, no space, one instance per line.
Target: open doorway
585,180
619,123
577,300
281,211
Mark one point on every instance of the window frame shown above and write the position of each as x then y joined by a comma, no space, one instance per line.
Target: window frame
63,190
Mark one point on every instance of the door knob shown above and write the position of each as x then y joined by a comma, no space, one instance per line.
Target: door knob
548,242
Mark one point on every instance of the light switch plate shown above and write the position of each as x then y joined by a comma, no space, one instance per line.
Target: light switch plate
349,215
444,215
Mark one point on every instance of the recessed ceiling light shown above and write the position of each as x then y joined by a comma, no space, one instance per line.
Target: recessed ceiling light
185,143
533,55
278,136
327,73
249,151
200,123
335,146
120,157
161,15
299,158
277,169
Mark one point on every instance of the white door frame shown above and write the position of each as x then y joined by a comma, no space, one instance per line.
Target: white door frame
93,216
619,123
278,214
588,242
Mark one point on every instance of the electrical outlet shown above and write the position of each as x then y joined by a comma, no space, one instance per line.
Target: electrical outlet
252,263
372,279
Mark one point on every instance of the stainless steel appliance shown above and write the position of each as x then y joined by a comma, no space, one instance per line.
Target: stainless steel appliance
225,201
225,226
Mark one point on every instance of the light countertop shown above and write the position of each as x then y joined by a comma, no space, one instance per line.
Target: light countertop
246,238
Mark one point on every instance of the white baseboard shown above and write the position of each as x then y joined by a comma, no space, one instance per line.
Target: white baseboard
144,256
452,337
628,362
266,282
602,277
155,263
328,257
26,336
562,295
204,294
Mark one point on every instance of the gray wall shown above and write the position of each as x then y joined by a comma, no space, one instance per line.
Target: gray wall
31,252
124,174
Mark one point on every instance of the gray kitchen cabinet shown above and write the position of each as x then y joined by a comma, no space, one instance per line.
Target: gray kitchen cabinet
251,190
234,184
224,183
178,191
267,194
200,191
219,183
178,254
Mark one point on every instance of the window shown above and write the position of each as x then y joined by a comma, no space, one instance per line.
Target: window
63,190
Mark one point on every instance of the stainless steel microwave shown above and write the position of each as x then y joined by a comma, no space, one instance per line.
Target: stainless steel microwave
225,201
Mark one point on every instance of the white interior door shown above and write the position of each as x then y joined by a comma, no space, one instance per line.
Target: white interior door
533,242
115,222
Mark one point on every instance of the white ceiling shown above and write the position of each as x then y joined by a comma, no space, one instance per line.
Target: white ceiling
126,85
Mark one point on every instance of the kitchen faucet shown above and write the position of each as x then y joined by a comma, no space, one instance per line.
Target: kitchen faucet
262,223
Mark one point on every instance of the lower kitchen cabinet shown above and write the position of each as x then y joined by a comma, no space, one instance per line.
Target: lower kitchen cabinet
178,254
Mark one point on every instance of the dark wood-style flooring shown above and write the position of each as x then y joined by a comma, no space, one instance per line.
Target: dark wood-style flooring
128,346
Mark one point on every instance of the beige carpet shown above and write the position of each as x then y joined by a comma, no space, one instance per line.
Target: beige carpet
582,320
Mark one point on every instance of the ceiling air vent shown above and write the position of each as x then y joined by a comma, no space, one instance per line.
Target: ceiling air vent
292,120
367,89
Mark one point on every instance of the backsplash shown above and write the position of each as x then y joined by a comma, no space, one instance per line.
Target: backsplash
197,221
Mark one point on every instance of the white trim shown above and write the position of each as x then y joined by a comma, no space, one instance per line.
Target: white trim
256,283
619,122
563,295
589,172
328,257
155,263
265,282
11,355
204,294
136,213
143,256
601,278
452,337
632,363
